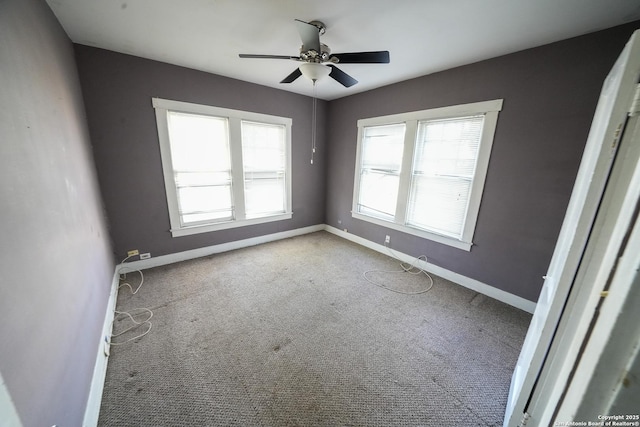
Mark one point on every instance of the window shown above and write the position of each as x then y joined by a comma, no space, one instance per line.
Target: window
380,170
223,168
265,164
423,172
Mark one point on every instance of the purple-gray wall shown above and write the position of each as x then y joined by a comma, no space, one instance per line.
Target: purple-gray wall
117,90
56,257
56,266
550,94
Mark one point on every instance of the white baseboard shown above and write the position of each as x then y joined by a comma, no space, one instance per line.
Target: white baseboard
92,411
467,282
216,249
483,288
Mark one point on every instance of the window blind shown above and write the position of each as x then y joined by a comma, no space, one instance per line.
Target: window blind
264,164
202,167
445,157
382,148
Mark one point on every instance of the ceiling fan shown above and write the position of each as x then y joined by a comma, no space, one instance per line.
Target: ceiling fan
317,60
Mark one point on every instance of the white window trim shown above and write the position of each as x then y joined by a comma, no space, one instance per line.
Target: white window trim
490,109
235,117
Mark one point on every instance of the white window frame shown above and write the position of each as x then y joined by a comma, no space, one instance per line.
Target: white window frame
489,109
235,119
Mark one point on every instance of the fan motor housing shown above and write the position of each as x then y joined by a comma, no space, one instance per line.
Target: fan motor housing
313,56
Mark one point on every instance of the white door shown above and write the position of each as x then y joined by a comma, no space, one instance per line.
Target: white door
589,351
614,105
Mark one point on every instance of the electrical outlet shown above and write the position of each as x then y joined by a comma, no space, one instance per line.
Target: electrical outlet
145,256
387,239
133,252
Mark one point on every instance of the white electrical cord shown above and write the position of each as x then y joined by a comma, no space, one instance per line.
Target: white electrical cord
123,276
410,268
137,324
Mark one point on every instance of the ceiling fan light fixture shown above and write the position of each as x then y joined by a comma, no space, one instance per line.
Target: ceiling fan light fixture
314,71
317,60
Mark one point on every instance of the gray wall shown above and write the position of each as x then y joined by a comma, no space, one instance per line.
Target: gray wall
55,261
117,90
550,94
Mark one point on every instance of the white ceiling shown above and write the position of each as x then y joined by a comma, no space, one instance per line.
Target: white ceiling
422,36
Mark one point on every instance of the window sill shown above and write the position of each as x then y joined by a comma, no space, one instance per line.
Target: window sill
206,228
466,246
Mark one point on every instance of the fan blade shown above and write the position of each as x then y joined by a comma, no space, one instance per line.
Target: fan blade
248,55
310,36
291,77
379,57
341,77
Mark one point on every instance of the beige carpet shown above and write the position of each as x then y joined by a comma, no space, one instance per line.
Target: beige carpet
291,334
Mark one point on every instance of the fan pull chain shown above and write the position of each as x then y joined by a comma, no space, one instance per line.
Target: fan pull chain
313,123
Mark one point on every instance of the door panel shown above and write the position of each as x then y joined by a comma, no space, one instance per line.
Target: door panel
600,150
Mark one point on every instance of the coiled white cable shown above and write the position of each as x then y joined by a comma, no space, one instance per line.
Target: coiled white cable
410,268
135,325
119,314
123,276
